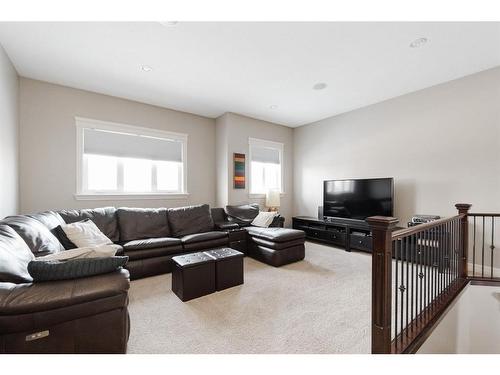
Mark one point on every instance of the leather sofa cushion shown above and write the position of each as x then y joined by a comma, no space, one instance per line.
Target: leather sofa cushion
190,219
36,235
276,234
30,298
204,245
150,243
207,236
242,214
153,253
104,218
15,256
50,219
136,223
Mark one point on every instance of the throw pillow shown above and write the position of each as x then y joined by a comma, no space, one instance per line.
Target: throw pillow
63,239
264,219
102,251
51,270
85,234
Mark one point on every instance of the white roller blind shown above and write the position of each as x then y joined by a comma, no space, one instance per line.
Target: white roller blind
103,142
265,155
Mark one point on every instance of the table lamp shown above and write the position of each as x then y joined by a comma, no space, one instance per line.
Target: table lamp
273,199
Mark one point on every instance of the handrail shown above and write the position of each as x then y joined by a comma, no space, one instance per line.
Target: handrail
405,232
484,214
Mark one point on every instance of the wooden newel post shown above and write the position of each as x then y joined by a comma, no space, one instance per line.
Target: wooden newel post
382,228
463,208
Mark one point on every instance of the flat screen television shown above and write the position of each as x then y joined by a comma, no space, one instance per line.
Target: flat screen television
359,198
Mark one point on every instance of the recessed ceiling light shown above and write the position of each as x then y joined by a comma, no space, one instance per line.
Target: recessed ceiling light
418,42
146,68
273,106
169,23
320,86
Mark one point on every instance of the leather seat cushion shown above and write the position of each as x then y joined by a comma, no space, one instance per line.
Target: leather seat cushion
137,223
104,218
277,245
30,298
206,236
151,243
190,219
208,244
276,234
244,214
36,235
15,256
152,253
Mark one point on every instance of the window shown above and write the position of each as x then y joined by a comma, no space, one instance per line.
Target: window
266,166
114,159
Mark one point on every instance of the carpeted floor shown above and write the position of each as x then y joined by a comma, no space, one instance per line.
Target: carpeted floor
319,305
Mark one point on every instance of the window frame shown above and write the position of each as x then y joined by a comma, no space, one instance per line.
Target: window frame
280,147
82,194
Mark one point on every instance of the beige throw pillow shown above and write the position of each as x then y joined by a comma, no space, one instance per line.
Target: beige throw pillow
85,234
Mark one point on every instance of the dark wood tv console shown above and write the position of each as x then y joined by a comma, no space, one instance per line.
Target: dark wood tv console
345,233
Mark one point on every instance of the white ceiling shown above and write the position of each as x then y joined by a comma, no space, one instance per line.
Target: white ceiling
212,68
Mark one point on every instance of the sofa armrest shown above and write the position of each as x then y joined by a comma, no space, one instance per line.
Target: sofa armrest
227,225
35,297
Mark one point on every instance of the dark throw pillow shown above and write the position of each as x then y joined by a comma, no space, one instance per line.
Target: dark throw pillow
52,270
63,239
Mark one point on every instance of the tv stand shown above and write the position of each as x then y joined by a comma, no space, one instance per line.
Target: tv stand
348,234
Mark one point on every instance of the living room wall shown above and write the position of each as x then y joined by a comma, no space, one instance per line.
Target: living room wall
9,130
232,134
441,145
48,141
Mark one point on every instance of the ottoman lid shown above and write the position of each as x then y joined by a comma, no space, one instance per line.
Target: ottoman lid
276,234
224,252
190,260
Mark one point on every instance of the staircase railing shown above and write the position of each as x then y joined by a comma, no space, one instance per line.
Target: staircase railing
416,274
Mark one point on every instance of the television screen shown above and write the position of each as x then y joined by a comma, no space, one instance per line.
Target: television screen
358,199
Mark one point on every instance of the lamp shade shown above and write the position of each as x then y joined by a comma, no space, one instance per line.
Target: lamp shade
273,198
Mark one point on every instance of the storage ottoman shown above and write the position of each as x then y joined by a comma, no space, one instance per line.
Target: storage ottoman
228,267
193,276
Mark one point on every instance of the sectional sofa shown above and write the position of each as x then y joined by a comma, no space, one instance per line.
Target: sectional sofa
89,315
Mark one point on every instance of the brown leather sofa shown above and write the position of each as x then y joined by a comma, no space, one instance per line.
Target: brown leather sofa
89,315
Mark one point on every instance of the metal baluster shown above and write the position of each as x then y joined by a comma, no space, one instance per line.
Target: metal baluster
419,267
482,253
397,242
434,264
413,296
474,249
427,275
402,287
407,257
492,247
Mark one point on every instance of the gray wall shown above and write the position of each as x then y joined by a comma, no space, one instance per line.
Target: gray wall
48,139
441,144
233,132
9,130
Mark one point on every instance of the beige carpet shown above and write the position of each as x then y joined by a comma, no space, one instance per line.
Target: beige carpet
319,305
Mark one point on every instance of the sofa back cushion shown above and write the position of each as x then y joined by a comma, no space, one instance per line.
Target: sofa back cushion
104,218
190,219
36,235
50,219
140,223
242,214
15,256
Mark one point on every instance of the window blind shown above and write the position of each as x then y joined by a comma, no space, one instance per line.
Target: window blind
265,155
102,142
